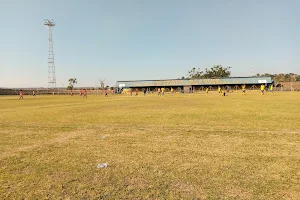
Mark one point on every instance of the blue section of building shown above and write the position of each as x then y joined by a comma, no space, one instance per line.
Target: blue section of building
195,82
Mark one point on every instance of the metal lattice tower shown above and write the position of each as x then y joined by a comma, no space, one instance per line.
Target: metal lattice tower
51,66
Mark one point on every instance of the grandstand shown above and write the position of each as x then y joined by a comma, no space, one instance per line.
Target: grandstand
193,85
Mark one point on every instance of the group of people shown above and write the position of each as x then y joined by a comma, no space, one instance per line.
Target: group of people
161,91
223,92
85,93
105,93
220,90
262,89
80,93
21,94
137,92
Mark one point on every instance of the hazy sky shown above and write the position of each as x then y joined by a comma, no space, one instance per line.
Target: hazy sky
145,39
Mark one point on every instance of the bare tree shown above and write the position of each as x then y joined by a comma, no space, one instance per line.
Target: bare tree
102,83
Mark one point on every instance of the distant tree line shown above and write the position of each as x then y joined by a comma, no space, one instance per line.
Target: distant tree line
73,82
218,71
290,77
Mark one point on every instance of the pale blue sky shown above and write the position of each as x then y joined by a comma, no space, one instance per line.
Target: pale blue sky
139,39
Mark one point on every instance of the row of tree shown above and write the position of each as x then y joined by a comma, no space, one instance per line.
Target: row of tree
290,77
218,71
73,82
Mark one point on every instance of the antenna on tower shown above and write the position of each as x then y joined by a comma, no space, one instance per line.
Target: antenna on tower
51,66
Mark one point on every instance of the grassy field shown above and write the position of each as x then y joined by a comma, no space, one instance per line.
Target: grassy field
180,146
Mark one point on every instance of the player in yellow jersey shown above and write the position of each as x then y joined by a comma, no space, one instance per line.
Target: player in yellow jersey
244,89
206,90
271,88
162,91
172,90
219,89
262,89
223,91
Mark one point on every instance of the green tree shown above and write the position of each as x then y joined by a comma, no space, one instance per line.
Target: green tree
72,82
297,78
217,71
287,77
267,74
279,78
195,73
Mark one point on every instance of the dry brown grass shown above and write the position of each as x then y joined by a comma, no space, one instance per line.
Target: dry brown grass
177,147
